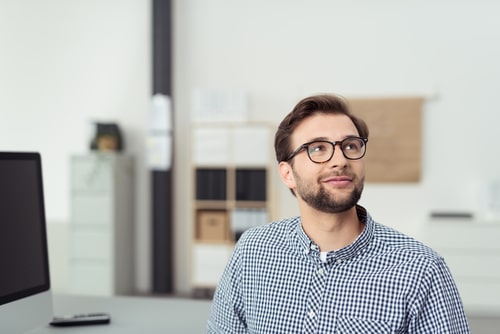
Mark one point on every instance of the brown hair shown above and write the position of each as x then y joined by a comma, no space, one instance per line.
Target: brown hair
324,103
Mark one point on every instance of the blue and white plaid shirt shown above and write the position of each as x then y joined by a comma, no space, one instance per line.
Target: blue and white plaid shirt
384,282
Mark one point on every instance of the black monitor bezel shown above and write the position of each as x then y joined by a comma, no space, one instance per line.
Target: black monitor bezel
45,286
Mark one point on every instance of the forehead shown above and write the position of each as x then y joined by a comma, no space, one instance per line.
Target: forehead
328,126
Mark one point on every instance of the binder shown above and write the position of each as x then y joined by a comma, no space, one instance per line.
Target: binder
251,185
211,184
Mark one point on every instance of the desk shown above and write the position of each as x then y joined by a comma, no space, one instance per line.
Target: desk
133,315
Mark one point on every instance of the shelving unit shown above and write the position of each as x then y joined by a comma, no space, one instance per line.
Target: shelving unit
101,227
232,192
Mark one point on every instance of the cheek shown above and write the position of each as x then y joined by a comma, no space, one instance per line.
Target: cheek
307,173
360,169
301,175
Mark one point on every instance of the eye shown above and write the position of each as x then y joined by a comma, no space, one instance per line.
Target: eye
353,144
319,147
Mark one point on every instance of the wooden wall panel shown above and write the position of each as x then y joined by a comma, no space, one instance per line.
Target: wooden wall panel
394,149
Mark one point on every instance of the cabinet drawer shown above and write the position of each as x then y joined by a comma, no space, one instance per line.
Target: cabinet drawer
466,235
94,244
467,264
91,278
208,264
481,295
87,209
92,173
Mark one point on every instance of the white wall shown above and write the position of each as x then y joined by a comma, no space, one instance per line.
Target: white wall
65,62
282,50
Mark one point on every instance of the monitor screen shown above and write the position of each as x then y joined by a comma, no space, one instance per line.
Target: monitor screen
25,278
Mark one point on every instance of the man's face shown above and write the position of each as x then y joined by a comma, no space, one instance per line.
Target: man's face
333,186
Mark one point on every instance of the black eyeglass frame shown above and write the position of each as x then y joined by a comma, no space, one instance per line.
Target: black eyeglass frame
305,146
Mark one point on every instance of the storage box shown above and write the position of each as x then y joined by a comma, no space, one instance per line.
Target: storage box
212,225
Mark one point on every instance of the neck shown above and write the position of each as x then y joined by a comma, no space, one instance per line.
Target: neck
331,231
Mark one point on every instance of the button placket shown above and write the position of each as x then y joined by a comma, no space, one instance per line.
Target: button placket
316,290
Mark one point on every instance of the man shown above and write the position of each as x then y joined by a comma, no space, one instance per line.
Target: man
333,269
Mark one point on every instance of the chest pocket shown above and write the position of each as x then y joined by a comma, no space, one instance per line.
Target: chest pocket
365,326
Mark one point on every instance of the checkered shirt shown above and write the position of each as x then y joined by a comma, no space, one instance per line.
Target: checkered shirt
384,282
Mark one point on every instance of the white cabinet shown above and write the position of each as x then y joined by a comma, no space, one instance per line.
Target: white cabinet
231,165
101,227
472,252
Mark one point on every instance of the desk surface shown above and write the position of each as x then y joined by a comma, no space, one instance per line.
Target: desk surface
137,315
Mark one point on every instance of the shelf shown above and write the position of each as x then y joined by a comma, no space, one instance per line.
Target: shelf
211,205
250,204
230,170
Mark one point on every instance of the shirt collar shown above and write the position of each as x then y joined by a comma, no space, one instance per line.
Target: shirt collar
306,245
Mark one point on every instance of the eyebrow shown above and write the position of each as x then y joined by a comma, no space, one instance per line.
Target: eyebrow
328,140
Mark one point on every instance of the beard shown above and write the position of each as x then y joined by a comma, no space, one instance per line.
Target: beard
326,202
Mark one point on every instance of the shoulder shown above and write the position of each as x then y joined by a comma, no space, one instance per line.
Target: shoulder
419,265
393,244
275,233
389,240
433,299
274,230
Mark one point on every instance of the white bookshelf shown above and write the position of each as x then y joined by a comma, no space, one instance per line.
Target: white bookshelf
237,156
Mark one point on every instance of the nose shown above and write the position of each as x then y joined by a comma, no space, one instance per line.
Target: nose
338,159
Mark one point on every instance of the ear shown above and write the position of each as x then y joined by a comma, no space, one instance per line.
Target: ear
286,174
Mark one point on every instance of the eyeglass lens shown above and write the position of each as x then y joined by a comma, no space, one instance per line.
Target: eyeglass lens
321,151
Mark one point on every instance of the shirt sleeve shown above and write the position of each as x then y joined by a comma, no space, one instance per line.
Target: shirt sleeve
438,308
227,313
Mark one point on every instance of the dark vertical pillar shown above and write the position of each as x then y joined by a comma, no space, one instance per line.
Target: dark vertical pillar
162,218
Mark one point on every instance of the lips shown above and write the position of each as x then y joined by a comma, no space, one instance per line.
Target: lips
339,181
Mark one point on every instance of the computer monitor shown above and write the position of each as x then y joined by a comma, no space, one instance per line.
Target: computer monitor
25,294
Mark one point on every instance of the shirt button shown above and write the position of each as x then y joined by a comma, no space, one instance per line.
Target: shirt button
320,271
339,261
311,314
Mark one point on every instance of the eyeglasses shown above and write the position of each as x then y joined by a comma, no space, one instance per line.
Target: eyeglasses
320,151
